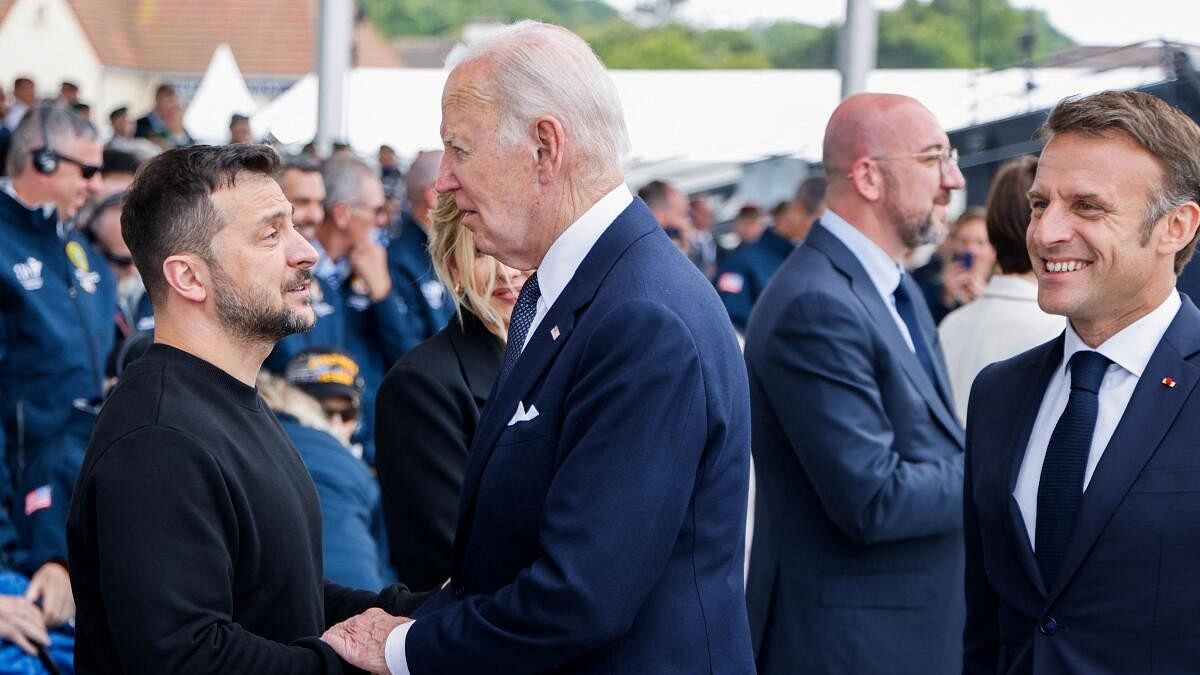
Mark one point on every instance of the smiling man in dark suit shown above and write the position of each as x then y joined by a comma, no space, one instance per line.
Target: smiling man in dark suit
604,500
1083,480
857,551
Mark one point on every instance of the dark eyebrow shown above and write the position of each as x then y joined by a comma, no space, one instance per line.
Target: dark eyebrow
274,216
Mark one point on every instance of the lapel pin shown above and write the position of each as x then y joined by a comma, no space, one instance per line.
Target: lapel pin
554,336
1168,383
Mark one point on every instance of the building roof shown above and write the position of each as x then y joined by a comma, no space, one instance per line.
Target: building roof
268,37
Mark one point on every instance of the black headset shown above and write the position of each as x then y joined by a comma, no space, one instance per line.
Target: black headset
45,160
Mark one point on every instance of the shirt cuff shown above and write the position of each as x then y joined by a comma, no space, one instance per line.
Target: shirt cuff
393,649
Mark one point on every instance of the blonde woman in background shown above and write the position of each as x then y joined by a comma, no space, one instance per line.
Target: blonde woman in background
429,402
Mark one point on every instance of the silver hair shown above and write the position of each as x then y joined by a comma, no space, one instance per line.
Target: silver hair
422,173
548,70
62,125
345,177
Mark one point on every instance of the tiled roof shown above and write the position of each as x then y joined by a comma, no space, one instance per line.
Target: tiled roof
268,37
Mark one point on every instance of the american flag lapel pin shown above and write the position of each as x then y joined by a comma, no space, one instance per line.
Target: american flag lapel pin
1168,382
554,334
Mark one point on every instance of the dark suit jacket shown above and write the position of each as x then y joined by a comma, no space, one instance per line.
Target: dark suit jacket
857,548
605,534
426,412
1127,600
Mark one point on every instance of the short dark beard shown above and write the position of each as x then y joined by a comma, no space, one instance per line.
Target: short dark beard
915,231
249,316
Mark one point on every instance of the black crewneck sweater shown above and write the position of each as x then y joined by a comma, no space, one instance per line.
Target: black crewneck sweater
194,534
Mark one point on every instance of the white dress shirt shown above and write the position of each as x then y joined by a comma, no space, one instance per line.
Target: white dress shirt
999,324
557,268
884,272
1129,350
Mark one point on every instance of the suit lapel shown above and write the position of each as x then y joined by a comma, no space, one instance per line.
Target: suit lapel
860,282
1038,375
1150,413
634,222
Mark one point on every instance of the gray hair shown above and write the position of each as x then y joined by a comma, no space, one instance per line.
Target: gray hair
62,125
345,176
548,70
422,173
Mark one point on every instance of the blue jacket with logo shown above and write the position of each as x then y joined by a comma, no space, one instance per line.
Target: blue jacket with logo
415,281
57,306
743,276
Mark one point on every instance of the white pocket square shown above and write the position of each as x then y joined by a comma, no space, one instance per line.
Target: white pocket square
523,415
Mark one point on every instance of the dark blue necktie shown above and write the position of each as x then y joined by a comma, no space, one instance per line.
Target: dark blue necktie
1061,486
904,307
518,327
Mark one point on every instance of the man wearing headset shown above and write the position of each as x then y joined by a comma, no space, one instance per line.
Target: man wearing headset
57,302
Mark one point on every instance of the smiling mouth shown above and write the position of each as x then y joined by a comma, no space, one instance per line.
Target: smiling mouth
300,286
1059,267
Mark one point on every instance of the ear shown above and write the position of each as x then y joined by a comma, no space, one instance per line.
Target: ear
550,139
867,179
340,214
187,275
1180,228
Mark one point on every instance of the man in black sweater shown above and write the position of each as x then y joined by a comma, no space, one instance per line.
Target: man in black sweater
194,534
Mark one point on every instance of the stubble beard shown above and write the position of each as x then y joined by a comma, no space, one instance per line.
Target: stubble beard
250,316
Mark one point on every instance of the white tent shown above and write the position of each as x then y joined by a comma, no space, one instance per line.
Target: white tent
222,93
705,116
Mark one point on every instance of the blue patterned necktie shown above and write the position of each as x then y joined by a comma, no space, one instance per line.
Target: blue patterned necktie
904,307
518,327
1061,485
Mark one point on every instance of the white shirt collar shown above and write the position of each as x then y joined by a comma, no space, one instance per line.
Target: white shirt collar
1011,286
572,246
883,271
1132,347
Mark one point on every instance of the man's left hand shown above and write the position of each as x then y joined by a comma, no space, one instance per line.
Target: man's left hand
360,640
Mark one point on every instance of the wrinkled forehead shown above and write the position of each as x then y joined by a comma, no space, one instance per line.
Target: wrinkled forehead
469,91
252,199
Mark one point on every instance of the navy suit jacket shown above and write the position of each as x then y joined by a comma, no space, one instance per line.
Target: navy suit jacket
857,550
1127,598
605,535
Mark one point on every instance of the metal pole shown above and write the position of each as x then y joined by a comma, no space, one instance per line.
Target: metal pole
335,36
857,43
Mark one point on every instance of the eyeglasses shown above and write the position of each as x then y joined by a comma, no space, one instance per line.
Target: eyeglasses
85,169
947,157
377,211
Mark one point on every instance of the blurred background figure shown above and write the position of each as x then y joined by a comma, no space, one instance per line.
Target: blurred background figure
429,402
103,230
24,98
670,208
1005,320
68,93
967,261
122,125
704,245
748,225
389,169
745,273
164,123
119,169
318,405
239,129
409,262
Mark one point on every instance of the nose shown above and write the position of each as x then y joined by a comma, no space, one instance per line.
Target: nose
446,181
952,178
1049,228
95,184
300,252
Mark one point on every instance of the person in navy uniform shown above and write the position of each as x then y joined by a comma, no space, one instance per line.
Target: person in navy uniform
302,185
379,328
744,274
411,268
317,404
57,306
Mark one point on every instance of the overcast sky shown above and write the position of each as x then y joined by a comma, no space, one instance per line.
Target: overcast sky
1098,22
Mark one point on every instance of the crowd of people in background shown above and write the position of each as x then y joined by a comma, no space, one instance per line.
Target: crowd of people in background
861,349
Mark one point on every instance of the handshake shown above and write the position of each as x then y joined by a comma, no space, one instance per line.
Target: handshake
360,640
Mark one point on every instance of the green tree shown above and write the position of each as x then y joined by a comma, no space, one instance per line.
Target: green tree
798,45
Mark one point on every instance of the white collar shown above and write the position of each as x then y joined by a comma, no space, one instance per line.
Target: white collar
884,272
1011,286
572,246
1132,347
